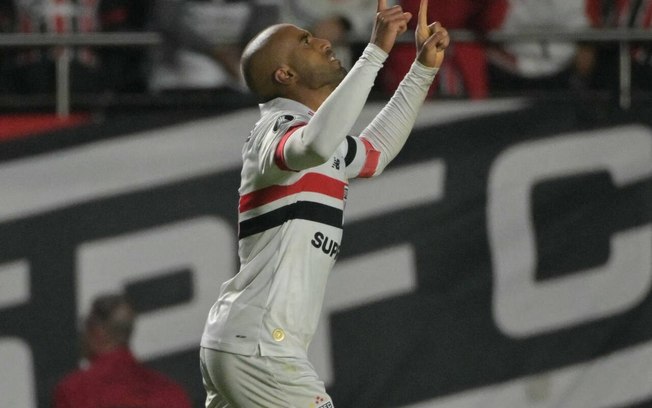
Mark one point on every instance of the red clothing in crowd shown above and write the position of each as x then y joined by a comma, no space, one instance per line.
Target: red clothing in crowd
117,380
464,70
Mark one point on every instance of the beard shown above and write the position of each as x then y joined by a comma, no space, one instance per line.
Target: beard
343,72
322,77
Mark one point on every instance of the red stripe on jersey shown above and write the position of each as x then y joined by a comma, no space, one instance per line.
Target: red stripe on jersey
371,160
311,182
279,156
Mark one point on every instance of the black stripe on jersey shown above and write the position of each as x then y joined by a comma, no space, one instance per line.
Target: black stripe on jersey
305,210
351,150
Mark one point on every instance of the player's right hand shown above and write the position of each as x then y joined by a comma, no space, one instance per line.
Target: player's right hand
390,23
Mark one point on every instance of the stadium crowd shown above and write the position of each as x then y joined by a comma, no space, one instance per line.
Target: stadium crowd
202,41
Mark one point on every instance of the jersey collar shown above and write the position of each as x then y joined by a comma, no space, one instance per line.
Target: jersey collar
284,104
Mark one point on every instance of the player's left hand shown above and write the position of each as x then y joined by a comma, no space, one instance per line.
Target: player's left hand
431,39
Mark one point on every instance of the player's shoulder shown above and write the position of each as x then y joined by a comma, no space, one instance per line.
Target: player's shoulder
275,124
280,114
280,120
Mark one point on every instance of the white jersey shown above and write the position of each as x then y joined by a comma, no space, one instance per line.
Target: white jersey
290,222
290,233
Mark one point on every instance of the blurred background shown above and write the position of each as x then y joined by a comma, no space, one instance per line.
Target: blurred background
503,260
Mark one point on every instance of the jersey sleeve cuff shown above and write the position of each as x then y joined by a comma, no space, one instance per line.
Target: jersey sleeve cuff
423,71
374,53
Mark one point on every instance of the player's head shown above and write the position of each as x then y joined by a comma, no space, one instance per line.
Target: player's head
285,60
109,324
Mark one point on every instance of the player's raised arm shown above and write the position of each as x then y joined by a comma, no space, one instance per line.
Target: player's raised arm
389,130
317,141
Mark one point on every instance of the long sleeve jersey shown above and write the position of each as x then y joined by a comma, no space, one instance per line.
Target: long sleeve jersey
290,215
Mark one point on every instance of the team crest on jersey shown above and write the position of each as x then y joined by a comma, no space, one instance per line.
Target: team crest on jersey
282,120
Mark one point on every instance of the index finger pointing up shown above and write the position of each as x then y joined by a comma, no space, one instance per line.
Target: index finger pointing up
382,5
423,14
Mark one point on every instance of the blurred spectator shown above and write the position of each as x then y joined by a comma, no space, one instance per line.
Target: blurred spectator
541,65
337,30
203,40
621,14
113,377
92,69
464,72
342,22
358,13
123,68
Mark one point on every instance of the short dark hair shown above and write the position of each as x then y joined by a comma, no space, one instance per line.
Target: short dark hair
115,313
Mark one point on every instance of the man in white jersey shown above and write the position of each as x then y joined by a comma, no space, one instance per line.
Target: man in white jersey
296,166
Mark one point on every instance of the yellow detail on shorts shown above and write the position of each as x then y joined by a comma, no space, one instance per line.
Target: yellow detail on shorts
278,334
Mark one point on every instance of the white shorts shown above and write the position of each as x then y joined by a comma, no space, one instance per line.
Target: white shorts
237,381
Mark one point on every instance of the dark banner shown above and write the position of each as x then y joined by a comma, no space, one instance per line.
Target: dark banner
503,260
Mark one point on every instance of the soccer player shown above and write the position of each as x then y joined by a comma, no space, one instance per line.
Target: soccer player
296,165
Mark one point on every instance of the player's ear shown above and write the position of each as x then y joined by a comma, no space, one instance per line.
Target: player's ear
284,75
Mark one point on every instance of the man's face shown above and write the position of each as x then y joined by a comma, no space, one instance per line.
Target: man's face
313,60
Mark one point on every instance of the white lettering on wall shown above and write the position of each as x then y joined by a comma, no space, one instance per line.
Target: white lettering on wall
523,307
17,388
356,282
205,246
